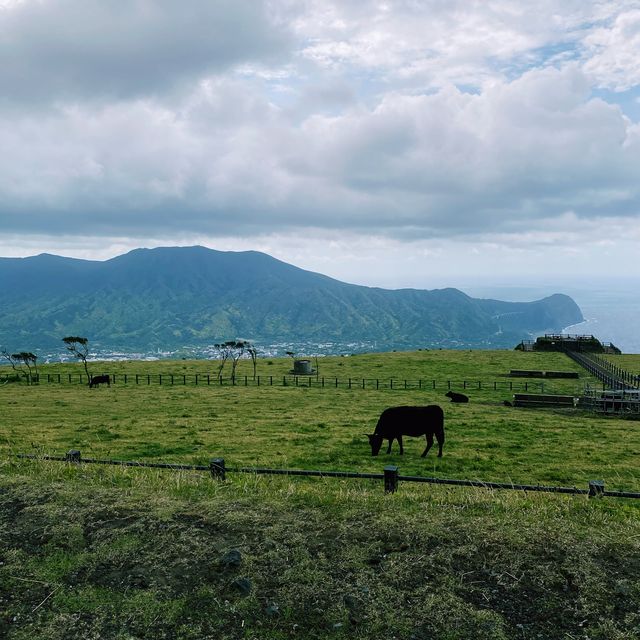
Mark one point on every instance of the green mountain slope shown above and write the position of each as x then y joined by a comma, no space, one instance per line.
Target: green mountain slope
171,297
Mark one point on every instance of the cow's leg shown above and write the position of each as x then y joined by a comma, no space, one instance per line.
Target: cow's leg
429,444
389,447
400,443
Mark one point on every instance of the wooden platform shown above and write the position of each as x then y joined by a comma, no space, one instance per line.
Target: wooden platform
539,400
525,373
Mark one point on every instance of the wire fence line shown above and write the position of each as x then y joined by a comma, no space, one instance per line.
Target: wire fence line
390,476
323,382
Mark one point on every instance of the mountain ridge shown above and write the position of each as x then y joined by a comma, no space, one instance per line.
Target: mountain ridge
169,297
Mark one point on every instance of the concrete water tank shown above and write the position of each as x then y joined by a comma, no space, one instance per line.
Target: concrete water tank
302,367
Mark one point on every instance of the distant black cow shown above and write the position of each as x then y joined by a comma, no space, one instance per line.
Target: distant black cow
457,397
96,380
396,422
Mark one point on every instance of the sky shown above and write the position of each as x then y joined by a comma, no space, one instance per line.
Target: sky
401,143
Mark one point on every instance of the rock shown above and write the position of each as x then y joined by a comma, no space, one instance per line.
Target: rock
242,586
232,559
351,602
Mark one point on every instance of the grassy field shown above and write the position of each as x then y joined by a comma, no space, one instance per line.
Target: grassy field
323,428
101,552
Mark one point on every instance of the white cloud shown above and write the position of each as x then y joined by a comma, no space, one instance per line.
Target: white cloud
614,52
408,124
446,163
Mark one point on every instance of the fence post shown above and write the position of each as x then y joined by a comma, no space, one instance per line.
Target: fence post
390,478
73,455
217,468
596,488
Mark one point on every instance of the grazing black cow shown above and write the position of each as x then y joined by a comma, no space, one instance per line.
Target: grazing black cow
457,397
96,380
506,403
396,422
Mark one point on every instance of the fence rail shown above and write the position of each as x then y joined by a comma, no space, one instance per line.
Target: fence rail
609,374
209,380
390,476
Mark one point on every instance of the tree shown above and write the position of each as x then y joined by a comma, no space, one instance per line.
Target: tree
224,353
237,350
253,352
234,350
23,359
29,360
79,347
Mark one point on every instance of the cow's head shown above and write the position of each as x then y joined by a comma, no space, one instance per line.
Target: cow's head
375,440
449,394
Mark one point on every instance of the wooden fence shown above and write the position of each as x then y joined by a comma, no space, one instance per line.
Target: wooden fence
391,476
609,374
290,381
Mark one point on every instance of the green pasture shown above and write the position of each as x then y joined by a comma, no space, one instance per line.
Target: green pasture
324,428
119,553
628,361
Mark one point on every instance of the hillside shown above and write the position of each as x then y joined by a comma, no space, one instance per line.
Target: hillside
170,297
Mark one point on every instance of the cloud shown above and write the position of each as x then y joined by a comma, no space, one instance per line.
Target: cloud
69,50
397,122
228,159
614,61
